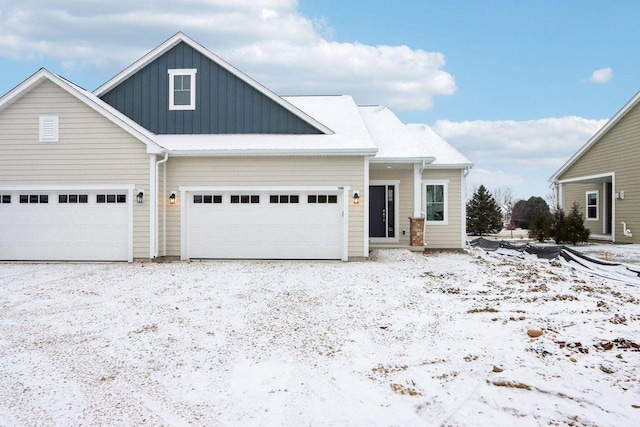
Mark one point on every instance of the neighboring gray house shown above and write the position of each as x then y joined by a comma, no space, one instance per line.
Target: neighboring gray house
182,155
604,179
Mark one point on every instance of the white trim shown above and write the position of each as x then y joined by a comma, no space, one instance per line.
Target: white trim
191,72
598,135
463,209
427,160
66,187
276,152
607,199
587,205
613,209
192,188
180,37
152,202
417,190
445,183
366,207
184,225
345,223
586,178
130,221
396,210
48,128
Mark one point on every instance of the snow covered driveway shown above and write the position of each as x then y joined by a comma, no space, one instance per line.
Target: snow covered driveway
402,339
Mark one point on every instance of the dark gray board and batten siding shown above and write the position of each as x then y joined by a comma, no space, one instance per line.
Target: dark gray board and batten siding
224,103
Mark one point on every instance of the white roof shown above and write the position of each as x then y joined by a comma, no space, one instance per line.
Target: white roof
445,154
339,113
394,141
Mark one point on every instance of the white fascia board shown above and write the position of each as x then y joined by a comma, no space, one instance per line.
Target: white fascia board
586,178
302,152
15,93
427,160
180,37
192,188
595,138
450,166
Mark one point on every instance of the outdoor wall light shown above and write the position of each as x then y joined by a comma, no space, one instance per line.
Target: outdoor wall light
356,197
172,198
140,196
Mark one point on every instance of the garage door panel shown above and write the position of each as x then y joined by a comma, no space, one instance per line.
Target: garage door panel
54,231
265,230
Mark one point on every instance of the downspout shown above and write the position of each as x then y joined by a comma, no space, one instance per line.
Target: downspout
423,213
155,185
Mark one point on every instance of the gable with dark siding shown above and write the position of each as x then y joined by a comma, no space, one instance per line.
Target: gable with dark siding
224,103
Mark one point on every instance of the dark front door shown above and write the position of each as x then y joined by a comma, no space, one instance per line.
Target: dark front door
381,210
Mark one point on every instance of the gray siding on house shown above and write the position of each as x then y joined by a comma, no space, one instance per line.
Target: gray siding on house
224,103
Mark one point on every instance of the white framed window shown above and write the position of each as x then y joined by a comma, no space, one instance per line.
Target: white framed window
48,126
593,205
182,89
435,195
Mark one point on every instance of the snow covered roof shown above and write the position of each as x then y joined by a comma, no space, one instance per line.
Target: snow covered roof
339,113
394,141
445,154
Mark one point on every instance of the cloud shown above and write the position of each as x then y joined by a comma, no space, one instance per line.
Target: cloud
603,75
268,39
520,154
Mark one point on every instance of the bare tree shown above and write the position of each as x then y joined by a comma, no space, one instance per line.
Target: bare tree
504,198
552,200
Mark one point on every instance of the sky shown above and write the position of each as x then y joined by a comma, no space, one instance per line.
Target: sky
516,86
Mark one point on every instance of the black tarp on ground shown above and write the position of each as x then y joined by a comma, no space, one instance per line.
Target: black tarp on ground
612,270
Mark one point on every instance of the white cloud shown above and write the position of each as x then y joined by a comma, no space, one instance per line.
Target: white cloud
268,39
603,75
520,154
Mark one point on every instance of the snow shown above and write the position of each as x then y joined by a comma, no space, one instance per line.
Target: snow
392,137
339,113
445,153
400,339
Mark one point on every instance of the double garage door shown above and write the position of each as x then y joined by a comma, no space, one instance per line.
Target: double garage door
264,224
65,225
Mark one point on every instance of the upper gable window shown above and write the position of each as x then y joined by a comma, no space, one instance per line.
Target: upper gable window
182,89
48,128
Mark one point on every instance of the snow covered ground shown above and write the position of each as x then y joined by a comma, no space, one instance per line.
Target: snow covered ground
402,339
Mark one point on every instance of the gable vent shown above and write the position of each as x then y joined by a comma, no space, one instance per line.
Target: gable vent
48,128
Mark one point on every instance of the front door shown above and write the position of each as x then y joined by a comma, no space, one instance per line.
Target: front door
381,211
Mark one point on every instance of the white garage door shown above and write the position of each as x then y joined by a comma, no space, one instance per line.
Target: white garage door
265,224
69,225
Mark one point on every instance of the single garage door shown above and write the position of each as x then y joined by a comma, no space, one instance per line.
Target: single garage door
68,225
265,224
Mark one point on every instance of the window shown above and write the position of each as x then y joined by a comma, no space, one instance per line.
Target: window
32,198
245,199
73,198
293,198
5,198
592,206
321,198
207,198
48,128
107,198
182,89
435,197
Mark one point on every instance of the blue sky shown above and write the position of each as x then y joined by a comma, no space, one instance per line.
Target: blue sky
517,86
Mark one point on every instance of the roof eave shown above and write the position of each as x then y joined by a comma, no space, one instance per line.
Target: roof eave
274,152
596,137
427,159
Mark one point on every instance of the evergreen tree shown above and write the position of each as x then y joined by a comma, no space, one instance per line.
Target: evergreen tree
576,231
540,226
559,226
483,213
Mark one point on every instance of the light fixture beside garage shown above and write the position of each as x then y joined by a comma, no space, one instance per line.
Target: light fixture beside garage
140,196
356,197
172,198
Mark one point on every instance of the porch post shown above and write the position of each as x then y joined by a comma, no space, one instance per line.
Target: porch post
417,191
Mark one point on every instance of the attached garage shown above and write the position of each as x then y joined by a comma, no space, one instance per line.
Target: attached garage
264,223
70,224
